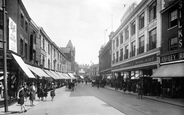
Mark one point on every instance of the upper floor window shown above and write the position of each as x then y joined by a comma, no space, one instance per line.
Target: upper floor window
48,48
114,58
173,16
126,33
121,38
43,44
152,11
1,18
26,26
26,48
141,21
152,39
133,28
21,46
132,49
113,44
117,42
22,20
173,43
141,45
121,54
117,56
126,52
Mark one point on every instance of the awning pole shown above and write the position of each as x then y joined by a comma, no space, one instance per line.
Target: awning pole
4,59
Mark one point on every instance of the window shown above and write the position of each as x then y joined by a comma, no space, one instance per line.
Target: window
132,49
1,18
113,44
43,44
117,42
114,58
21,46
26,26
173,18
152,39
117,56
26,51
126,33
126,52
121,38
141,45
152,11
1,36
48,63
141,21
133,28
22,20
48,48
173,43
121,54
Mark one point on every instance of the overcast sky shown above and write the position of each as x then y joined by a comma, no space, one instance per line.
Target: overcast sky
87,23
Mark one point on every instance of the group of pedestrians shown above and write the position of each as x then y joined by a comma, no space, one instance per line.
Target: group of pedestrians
25,92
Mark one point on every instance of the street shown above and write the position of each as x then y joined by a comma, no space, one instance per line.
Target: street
88,100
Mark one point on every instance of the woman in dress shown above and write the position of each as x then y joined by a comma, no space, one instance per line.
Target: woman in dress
52,92
32,94
20,96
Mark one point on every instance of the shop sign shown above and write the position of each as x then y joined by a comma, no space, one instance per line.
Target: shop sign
172,57
12,35
137,62
180,26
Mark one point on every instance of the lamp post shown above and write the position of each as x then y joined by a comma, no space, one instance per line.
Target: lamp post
4,58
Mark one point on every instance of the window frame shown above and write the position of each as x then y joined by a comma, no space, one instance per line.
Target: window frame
152,39
153,11
141,20
175,47
173,21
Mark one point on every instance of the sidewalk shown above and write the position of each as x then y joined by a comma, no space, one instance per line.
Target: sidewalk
176,102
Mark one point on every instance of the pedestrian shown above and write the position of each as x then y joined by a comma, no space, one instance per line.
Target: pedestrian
158,89
20,97
40,92
52,92
32,90
45,91
140,90
26,90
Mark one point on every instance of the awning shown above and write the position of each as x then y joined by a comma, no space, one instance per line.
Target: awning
66,75
55,74
172,70
38,71
23,66
61,76
50,74
71,75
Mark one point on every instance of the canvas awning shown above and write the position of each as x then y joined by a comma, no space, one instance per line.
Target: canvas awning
71,75
66,75
55,74
61,75
23,66
38,71
171,70
50,74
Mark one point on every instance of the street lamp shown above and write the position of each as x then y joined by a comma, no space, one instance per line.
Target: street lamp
4,58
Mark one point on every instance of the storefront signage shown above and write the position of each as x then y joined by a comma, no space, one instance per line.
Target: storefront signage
137,62
12,35
172,57
180,26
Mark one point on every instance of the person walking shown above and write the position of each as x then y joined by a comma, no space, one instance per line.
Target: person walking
45,91
140,90
20,97
32,90
52,92
40,92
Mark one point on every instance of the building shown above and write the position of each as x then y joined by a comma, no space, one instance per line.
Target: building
94,71
136,44
172,53
105,60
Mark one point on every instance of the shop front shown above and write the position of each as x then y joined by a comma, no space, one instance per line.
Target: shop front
138,71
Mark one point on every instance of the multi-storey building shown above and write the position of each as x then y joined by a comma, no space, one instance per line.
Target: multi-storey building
172,50
136,43
105,60
94,71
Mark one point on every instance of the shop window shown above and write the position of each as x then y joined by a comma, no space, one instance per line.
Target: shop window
152,39
141,21
173,16
152,11
173,43
141,45
133,28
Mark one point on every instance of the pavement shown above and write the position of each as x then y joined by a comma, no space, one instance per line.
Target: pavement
172,101
99,107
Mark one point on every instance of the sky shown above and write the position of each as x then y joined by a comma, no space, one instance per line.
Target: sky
87,23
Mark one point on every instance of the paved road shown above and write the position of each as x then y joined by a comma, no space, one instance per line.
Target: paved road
87,100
